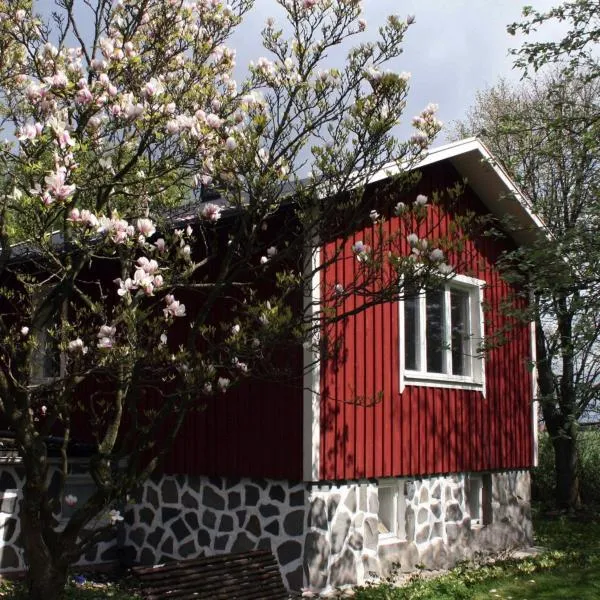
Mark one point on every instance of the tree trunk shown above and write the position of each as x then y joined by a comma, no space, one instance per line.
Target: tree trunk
46,575
566,460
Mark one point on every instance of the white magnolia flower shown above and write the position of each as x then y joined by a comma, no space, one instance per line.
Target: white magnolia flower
223,383
412,239
24,331
114,516
421,200
374,215
71,500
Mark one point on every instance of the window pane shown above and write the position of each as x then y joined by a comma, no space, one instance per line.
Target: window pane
387,509
434,300
460,331
411,331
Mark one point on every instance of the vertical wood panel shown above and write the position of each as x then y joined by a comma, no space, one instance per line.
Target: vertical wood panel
426,430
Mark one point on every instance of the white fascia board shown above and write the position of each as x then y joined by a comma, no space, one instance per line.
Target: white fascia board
456,150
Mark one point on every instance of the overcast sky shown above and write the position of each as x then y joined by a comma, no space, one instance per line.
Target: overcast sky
455,48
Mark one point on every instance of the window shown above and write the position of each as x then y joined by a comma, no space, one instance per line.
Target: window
392,509
441,331
479,498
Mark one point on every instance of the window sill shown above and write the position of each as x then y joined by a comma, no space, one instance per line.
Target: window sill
388,539
441,380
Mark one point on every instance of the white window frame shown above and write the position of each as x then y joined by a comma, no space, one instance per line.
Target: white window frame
478,496
476,379
398,516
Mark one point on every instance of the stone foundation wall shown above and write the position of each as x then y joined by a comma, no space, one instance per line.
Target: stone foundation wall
12,557
182,517
323,536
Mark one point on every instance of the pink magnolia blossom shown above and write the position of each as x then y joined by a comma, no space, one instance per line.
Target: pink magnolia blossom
211,212
146,227
56,184
106,337
174,307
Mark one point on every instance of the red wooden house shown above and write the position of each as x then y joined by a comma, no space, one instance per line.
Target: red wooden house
412,449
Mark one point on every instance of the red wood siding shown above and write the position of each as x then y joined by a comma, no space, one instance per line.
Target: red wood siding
254,430
370,429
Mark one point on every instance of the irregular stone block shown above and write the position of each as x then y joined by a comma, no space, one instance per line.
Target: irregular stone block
273,527
289,552
264,544
373,502
339,531
209,519
147,556
212,499
371,533
297,498
241,516
167,546
168,513
332,504
180,530
424,494
8,529
293,524
422,534
317,515
187,550
436,491
435,555
453,512
423,516
436,509
402,556
343,570
242,543
268,510
189,501
234,499
350,501
252,495
409,516
170,493
221,542
146,516
277,493
295,579
203,538
191,518
138,536
355,541
409,490
253,526
153,539
316,555
226,523
152,496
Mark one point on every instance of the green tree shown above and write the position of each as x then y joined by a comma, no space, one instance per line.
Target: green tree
545,132
111,126
577,50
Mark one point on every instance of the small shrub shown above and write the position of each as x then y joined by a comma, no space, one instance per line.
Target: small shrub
543,476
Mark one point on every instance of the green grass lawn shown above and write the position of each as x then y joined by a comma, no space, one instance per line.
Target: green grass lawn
569,567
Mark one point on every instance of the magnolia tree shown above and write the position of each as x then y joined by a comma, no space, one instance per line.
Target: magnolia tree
121,120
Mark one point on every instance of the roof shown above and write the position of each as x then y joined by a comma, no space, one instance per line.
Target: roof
488,179
470,157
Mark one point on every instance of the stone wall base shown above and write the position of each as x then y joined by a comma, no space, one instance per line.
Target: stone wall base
323,536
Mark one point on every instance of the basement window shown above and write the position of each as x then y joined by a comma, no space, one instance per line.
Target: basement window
479,498
392,510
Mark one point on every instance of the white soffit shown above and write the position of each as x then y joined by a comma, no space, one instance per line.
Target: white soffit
488,179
